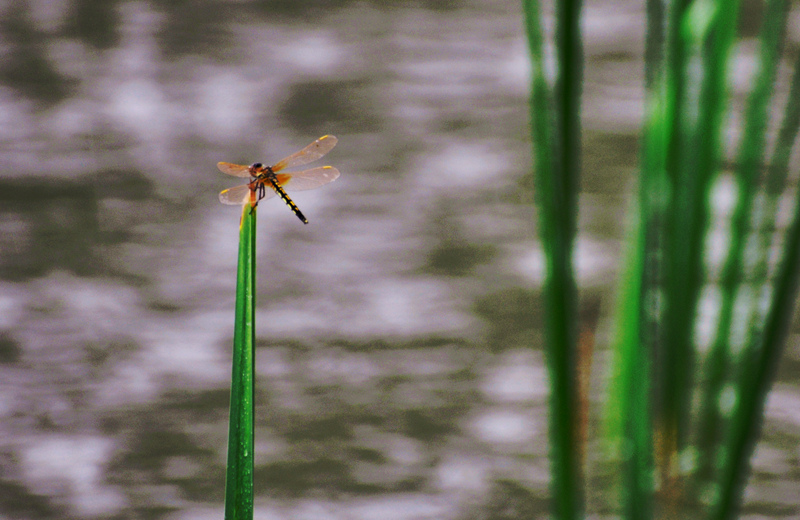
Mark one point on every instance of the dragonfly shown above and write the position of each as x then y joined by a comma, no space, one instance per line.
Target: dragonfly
268,181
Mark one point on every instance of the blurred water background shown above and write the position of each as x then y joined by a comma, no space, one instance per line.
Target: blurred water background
400,371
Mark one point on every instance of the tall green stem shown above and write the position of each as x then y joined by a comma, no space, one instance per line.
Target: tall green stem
555,122
239,478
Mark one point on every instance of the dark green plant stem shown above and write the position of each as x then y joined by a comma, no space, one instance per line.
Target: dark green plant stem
239,477
555,120
746,176
779,166
635,332
689,166
562,289
666,356
762,355
633,382
778,171
762,363
569,58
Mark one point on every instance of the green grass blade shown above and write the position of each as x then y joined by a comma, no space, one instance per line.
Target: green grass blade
762,363
541,113
628,410
698,32
753,142
747,178
628,425
779,165
761,357
627,418
239,477
666,191
777,173
556,149
569,56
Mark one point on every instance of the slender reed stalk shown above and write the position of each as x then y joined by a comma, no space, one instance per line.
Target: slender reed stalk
555,121
762,362
779,165
760,359
629,406
239,477
629,426
746,175
648,417
684,225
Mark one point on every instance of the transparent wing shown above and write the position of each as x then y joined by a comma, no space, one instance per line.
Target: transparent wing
238,195
308,179
308,154
237,170
235,196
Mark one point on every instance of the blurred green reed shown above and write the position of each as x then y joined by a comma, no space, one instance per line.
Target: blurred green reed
675,460
239,476
555,122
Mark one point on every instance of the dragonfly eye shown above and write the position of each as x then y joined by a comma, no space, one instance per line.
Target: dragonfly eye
257,166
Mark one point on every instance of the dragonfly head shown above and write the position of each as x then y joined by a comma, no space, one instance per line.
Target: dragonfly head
255,169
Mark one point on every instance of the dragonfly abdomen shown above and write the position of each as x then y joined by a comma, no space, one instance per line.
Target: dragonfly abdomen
285,197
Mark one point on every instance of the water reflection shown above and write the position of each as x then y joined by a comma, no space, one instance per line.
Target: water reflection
395,371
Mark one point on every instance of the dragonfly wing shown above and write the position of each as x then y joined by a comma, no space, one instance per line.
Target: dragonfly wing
308,179
235,196
237,170
308,154
238,195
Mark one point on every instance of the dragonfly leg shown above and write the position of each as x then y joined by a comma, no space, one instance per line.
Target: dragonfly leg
260,191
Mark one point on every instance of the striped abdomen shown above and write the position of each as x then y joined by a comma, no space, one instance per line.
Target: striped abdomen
282,194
